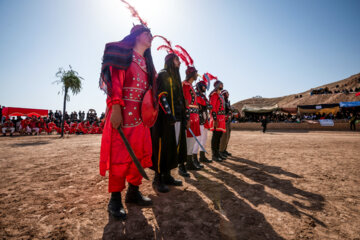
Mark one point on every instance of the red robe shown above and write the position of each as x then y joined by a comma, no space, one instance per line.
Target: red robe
51,126
218,103
82,128
73,127
24,123
128,88
190,97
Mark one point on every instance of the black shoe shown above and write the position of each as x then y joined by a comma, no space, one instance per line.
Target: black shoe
222,155
190,165
216,157
169,180
182,171
196,161
4,134
115,207
133,195
159,185
11,134
227,153
203,158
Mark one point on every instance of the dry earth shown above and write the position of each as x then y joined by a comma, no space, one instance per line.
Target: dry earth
278,185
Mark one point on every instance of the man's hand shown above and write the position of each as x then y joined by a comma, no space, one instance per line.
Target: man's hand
116,117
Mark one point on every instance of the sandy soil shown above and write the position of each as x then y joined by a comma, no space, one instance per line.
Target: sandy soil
278,185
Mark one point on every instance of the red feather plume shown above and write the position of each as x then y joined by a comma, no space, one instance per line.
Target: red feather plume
166,41
181,55
190,60
134,13
165,47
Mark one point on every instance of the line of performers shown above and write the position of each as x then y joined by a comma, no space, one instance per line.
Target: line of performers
162,141
34,125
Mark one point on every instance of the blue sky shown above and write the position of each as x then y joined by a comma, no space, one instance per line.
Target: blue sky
256,47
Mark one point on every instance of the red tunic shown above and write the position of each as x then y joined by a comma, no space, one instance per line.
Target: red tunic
218,103
8,124
203,101
24,123
128,89
190,97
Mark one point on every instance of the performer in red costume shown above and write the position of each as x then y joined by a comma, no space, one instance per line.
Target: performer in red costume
8,126
192,108
127,73
52,126
73,127
204,107
34,125
217,119
41,125
81,128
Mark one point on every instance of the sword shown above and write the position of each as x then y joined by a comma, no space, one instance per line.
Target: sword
132,154
197,140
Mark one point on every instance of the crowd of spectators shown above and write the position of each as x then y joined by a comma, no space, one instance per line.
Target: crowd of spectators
338,89
75,123
296,118
271,117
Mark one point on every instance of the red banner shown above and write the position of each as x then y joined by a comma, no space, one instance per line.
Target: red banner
29,112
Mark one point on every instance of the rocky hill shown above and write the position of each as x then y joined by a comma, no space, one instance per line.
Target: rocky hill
340,92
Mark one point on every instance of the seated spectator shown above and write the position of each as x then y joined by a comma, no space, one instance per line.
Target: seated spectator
24,126
8,126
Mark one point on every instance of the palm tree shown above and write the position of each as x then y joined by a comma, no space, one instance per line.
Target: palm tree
70,80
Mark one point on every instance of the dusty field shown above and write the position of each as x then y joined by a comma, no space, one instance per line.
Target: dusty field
278,185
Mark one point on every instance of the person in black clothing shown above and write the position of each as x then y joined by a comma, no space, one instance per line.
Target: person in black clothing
264,123
352,122
168,133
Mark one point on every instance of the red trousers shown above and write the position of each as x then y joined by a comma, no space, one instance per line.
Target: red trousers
117,182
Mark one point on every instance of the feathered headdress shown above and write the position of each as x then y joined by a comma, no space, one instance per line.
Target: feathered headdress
134,13
168,48
186,58
207,77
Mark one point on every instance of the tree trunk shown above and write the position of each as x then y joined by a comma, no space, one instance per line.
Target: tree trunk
63,118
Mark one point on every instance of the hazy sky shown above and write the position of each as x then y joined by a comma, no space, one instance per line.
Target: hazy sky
256,47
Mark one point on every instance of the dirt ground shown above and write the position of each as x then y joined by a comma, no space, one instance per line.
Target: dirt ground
278,185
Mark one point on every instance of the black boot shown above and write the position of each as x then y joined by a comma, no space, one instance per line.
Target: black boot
133,195
170,180
227,153
222,155
182,171
196,161
203,158
190,163
216,157
159,185
115,207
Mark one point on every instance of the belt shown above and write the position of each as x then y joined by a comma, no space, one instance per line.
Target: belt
193,106
193,110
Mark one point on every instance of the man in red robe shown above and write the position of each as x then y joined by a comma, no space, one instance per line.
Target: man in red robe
52,126
217,119
193,110
127,73
8,126
81,128
204,106
34,125
73,126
